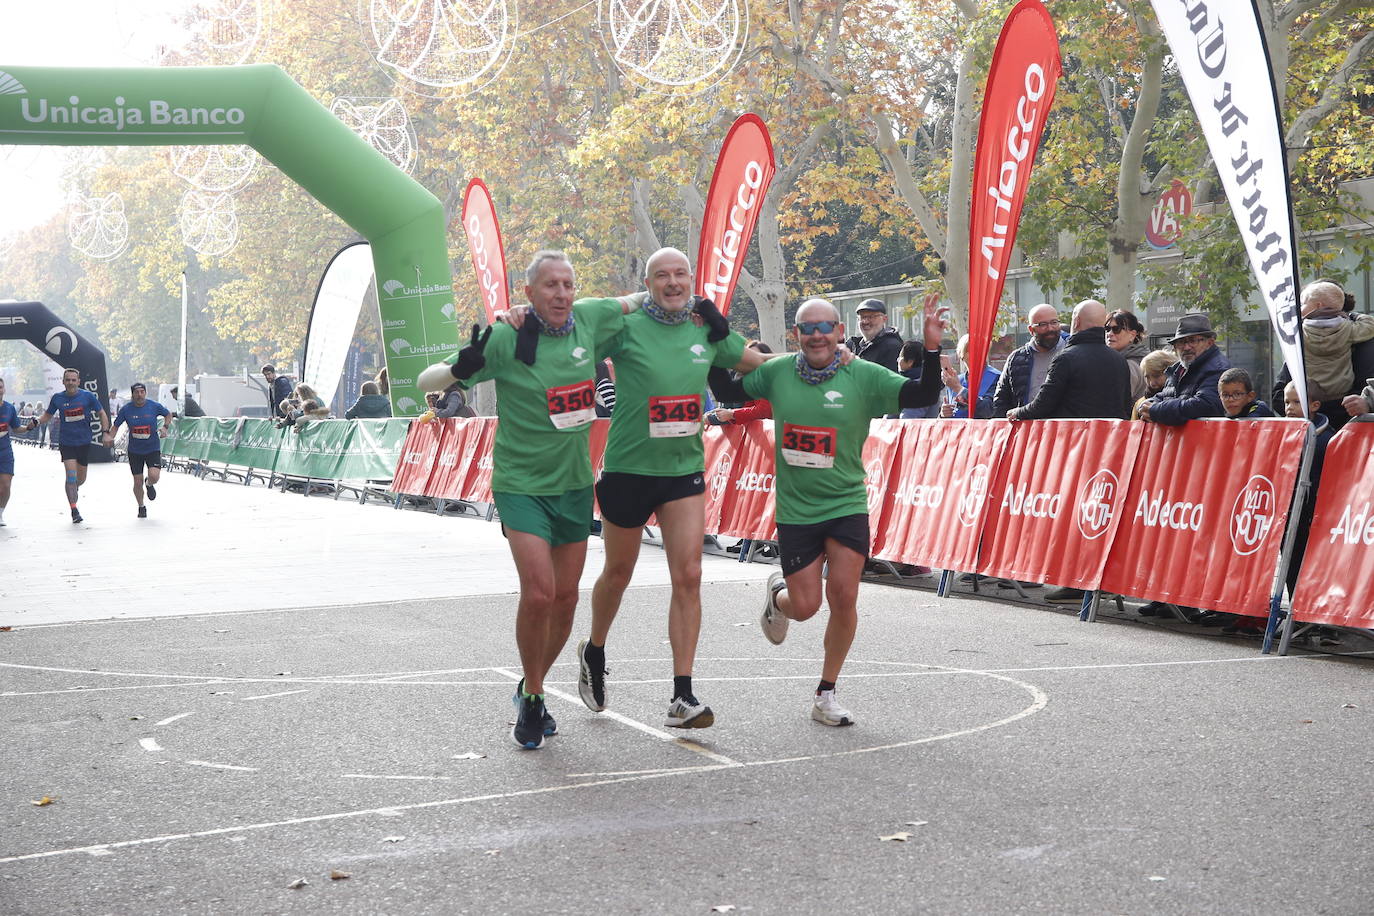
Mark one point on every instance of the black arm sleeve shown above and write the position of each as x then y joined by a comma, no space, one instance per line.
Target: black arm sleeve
725,386
924,391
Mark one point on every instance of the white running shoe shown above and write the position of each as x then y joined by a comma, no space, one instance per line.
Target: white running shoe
591,683
773,620
686,712
828,711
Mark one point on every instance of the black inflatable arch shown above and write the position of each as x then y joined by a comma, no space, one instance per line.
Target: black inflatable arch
35,322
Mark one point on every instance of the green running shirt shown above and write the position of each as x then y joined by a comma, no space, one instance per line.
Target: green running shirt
819,433
546,410
660,373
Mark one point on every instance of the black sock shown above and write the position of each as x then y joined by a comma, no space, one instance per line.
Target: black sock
682,687
595,656
826,685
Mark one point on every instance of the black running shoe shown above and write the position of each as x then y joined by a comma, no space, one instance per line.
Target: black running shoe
550,726
76,516
152,491
142,511
528,732
591,681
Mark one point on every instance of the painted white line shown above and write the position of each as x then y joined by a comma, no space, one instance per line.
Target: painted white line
150,745
370,776
636,772
68,690
170,719
268,696
222,766
181,677
639,726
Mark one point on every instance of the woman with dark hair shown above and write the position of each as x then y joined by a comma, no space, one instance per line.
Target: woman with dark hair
1126,335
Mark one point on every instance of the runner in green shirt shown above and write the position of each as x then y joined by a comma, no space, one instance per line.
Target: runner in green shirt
821,411
654,465
542,475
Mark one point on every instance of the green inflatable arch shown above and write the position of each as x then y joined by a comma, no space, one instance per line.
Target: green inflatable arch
261,106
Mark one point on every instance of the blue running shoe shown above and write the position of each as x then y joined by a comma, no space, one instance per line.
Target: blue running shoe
550,726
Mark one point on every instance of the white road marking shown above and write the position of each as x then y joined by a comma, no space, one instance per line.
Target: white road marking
150,745
370,776
222,766
268,696
661,735
170,719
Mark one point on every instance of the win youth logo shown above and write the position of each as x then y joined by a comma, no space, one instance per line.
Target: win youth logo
975,491
11,86
1095,499
721,478
1252,515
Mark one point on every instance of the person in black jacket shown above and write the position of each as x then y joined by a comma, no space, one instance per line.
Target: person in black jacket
1087,379
1190,386
1028,366
278,390
875,342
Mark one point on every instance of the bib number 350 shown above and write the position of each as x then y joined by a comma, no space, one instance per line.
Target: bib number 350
808,446
571,406
675,416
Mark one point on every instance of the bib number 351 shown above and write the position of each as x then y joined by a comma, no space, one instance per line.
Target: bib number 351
571,406
808,446
674,416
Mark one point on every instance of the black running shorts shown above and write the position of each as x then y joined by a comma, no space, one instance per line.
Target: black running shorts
627,500
79,452
136,462
800,545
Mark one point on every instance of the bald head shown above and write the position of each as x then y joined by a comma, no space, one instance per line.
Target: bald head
668,277
665,256
817,310
1088,314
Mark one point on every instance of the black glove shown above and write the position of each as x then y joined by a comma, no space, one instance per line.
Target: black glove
470,359
527,339
717,326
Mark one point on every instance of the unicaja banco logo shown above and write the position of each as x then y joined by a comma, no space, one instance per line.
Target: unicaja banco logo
1095,500
11,86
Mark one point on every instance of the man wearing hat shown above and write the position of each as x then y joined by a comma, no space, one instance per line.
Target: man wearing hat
875,342
1190,385
145,448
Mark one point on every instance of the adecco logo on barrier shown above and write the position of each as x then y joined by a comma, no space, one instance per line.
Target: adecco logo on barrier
975,487
1095,499
1252,515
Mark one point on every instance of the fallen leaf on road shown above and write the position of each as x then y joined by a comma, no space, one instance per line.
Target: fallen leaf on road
900,836
470,755
281,674
392,839
1349,706
43,802
724,907
221,631
297,884
493,852
1158,878
337,875
135,718
915,823
1307,721
5,629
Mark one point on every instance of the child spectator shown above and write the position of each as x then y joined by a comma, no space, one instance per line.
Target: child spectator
1328,334
1238,396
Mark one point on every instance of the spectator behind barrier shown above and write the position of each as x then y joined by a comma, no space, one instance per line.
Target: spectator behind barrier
1238,396
451,403
371,404
1321,429
909,365
1190,387
383,382
1153,368
1088,379
189,407
278,391
1328,334
956,394
1361,368
1027,366
875,342
1126,335
605,389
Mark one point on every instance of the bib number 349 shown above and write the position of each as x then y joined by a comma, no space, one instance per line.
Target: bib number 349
808,446
571,406
674,416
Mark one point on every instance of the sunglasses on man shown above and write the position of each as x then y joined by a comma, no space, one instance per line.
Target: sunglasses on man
811,327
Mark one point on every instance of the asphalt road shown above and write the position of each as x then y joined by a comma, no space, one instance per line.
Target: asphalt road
204,762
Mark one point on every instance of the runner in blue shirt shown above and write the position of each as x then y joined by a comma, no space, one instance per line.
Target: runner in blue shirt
9,424
79,410
145,449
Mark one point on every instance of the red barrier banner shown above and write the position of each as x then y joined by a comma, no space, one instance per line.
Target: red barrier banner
722,445
446,481
1336,585
416,463
1204,514
1057,500
747,512
744,169
1016,103
883,458
938,499
476,461
484,243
